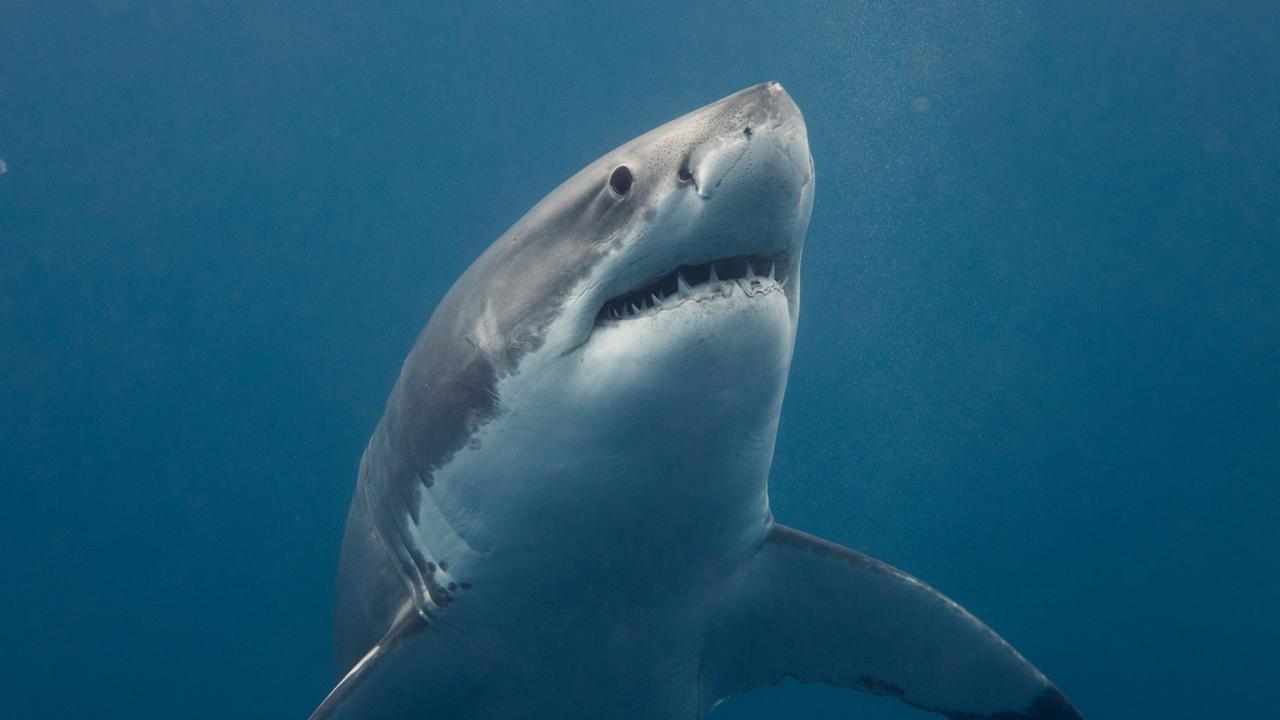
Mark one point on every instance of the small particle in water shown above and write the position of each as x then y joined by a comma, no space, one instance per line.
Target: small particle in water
3,168
921,104
1215,142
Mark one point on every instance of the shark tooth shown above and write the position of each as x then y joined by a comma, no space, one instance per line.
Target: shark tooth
682,287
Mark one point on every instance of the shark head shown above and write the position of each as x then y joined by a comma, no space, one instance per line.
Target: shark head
696,292
709,208
636,326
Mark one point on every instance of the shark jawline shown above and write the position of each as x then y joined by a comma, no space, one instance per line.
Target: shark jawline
755,274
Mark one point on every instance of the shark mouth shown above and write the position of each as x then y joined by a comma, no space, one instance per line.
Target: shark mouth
752,274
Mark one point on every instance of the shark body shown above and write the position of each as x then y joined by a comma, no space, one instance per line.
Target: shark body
563,512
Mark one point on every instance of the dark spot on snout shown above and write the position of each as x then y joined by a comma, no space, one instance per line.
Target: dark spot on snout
747,131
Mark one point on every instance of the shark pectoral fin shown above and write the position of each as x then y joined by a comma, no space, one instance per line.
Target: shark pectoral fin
818,612
407,670
378,676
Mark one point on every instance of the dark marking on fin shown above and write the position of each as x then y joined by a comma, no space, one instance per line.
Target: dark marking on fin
880,687
1049,705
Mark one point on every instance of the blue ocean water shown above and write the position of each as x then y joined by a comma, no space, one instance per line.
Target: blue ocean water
1039,356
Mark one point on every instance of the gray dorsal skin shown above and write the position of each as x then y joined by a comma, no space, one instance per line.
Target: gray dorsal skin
563,512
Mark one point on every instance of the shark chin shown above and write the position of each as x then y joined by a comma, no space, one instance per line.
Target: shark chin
564,513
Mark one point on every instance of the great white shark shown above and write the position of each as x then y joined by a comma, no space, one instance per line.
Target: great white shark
563,512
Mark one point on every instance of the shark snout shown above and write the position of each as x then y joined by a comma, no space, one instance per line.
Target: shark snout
779,103
766,106
760,124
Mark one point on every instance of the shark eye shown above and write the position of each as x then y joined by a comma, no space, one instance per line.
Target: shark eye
621,179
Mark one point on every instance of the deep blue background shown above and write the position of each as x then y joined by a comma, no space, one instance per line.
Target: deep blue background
1039,362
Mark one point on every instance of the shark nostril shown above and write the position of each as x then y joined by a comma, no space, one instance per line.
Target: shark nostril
683,173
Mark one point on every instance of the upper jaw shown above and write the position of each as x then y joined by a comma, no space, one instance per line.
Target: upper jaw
754,274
